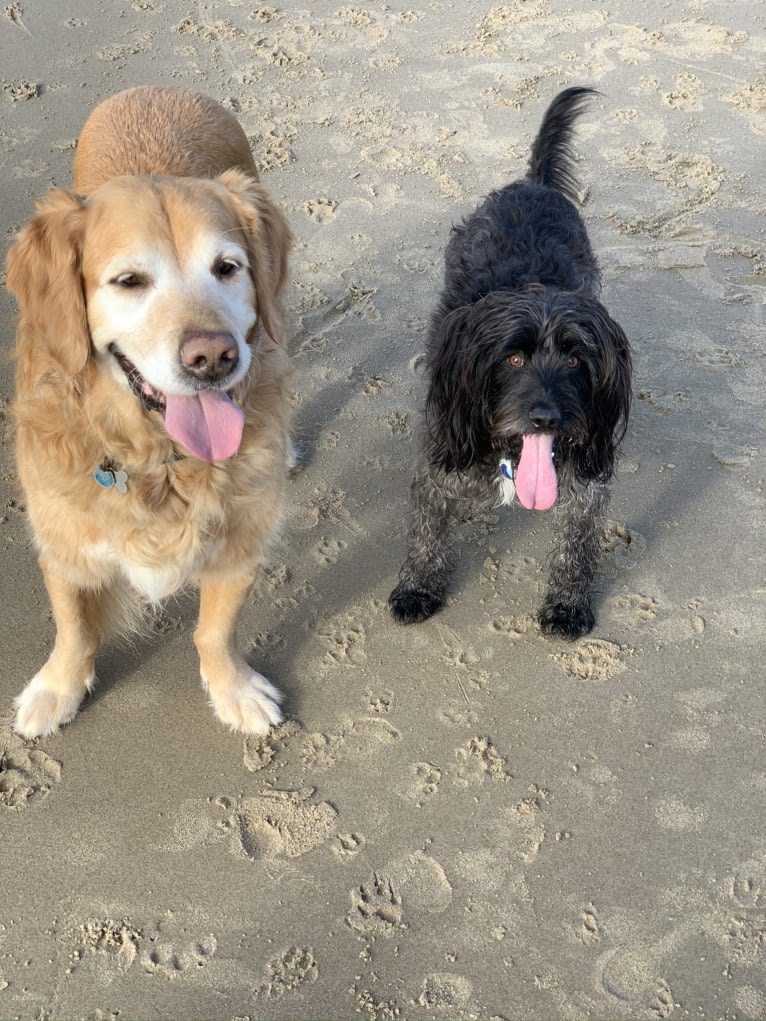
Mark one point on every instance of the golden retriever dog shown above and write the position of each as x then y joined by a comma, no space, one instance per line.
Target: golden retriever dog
151,402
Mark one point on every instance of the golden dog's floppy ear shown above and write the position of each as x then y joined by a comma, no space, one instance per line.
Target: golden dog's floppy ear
269,241
44,274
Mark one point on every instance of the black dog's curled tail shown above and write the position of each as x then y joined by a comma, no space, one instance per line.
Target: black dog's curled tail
551,162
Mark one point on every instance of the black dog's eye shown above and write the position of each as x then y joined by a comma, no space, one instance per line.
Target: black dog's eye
130,281
516,359
572,362
225,268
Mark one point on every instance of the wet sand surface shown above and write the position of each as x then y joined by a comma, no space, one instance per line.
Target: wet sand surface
460,819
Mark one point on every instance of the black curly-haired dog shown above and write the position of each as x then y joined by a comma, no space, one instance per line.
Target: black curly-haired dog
530,383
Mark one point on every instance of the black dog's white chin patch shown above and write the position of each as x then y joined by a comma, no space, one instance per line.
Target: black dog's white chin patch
151,398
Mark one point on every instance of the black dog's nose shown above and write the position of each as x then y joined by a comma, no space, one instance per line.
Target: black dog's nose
545,417
209,356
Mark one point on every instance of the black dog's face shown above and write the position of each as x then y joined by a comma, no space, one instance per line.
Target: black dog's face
540,385
532,363
538,402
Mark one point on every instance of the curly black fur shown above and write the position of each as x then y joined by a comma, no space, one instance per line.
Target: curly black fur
520,344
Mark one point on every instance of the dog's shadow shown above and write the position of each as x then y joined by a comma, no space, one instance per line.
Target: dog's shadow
121,660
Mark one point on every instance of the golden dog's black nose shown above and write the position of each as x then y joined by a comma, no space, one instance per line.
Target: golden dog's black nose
208,356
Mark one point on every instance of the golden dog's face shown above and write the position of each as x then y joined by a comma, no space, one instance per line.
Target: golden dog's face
165,262
160,282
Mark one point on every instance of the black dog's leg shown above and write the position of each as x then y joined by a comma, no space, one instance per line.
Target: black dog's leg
566,610
423,579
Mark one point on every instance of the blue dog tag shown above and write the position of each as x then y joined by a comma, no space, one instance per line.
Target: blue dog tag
108,476
104,477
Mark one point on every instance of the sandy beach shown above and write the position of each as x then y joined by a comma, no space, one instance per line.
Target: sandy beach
463,818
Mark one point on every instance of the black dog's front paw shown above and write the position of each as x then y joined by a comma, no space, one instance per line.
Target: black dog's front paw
409,605
570,622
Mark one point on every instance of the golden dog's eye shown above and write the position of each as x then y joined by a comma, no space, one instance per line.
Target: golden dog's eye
130,281
572,362
516,359
224,268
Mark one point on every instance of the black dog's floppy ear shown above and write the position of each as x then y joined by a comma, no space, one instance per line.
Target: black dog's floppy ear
611,372
458,412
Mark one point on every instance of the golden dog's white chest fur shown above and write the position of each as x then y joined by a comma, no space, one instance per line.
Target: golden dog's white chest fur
153,580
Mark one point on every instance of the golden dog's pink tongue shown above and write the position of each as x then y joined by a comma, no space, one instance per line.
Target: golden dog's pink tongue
208,424
536,485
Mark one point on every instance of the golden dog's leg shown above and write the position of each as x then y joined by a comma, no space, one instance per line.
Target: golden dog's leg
240,697
54,694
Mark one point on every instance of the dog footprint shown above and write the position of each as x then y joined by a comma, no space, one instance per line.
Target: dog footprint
376,908
320,210
320,751
590,931
25,773
685,95
368,734
663,1004
280,824
164,958
287,972
161,959
361,737
114,942
328,504
717,358
358,302
344,641
399,424
427,778
480,760
371,385
594,659
328,440
747,887
163,623
638,607
510,571
667,402
380,704
512,627
277,576
456,653
327,550
348,845
261,751
264,643
345,636
621,547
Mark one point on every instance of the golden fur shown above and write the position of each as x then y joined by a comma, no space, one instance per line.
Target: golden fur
167,174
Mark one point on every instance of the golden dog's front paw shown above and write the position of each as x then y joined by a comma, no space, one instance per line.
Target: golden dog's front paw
247,703
43,706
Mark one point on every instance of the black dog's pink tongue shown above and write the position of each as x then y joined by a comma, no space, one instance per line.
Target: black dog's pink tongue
536,485
207,424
